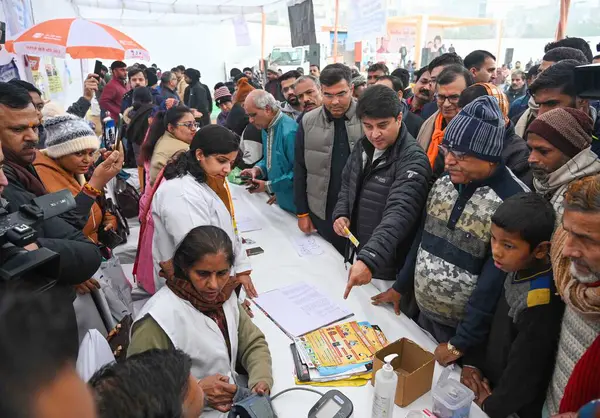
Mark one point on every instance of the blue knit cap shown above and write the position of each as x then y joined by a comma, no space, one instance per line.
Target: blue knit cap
477,130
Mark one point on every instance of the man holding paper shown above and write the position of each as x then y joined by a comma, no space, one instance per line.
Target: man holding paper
384,189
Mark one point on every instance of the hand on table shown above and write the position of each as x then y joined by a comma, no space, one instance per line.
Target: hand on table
258,186
218,391
389,296
306,225
246,281
444,356
359,275
261,388
340,224
90,86
87,287
472,378
253,173
31,247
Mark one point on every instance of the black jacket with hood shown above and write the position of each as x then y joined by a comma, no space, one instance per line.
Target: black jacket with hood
384,200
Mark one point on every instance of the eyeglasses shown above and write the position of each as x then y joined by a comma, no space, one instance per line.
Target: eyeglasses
460,156
339,95
189,125
453,99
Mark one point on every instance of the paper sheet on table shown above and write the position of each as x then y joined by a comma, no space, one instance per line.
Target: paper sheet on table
247,224
300,308
307,245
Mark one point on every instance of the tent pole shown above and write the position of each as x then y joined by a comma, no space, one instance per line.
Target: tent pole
262,42
499,32
335,31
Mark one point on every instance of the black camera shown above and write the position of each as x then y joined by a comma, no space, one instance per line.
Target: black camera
39,267
587,81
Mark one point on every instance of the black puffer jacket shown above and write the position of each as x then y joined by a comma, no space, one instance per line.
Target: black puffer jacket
384,201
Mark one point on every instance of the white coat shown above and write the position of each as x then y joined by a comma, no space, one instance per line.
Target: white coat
180,205
197,335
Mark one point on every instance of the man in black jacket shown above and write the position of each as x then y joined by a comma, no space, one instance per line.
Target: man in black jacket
384,189
195,96
413,122
79,257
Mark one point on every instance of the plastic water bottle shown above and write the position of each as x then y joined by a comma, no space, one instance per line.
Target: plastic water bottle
385,389
110,133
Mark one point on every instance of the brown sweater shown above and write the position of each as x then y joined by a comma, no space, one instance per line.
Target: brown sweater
55,178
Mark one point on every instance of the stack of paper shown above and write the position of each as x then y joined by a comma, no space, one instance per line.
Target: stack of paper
300,308
341,353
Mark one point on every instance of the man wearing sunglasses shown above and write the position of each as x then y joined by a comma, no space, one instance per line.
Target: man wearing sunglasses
450,84
456,283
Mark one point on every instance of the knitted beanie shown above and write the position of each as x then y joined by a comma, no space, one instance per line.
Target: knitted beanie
569,130
222,94
477,130
68,134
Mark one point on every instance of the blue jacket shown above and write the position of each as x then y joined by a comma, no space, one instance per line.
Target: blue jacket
279,171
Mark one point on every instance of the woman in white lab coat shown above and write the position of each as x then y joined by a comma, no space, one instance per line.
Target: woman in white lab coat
196,193
198,312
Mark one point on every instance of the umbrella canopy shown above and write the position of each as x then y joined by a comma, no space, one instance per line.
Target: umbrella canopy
79,38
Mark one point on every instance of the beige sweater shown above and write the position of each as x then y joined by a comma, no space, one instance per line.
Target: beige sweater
166,147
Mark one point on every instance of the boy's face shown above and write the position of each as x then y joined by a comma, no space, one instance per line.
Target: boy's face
512,253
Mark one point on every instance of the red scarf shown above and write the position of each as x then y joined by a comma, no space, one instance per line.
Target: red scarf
584,384
26,175
185,290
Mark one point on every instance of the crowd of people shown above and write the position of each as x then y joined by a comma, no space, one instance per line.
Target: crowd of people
476,209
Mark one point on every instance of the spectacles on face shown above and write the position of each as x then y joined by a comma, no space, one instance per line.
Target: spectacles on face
452,99
460,156
190,125
339,95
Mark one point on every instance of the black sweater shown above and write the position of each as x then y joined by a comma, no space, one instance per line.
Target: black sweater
518,357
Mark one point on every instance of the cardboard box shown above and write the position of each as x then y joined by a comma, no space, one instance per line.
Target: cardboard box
414,367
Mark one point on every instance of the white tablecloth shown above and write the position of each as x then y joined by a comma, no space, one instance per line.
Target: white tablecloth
281,265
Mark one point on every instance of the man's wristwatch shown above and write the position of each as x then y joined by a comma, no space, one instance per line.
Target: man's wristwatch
455,351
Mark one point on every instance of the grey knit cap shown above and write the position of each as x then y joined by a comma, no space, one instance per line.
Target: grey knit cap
68,134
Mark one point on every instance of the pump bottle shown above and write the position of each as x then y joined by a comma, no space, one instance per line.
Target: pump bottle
385,389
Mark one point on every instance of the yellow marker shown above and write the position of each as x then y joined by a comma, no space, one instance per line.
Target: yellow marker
351,237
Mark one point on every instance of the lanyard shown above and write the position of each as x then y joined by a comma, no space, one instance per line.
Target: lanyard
235,230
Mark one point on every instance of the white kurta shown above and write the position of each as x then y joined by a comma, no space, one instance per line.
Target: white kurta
180,205
197,335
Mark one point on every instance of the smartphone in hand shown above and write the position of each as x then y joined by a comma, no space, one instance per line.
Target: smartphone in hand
98,69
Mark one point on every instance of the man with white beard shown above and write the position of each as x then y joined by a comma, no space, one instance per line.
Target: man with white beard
576,264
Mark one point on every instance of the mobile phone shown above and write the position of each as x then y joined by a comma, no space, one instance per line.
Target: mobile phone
98,68
254,251
245,178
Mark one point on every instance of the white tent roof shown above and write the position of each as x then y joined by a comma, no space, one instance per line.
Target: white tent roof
169,12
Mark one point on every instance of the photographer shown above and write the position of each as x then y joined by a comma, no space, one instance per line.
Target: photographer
79,257
19,142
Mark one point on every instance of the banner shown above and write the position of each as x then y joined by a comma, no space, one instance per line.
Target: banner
302,24
367,20
18,16
242,34
9,71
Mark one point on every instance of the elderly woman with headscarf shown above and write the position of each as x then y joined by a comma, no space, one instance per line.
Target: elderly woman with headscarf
515,152
196,97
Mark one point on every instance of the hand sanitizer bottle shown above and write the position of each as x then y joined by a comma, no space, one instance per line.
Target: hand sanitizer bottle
385,389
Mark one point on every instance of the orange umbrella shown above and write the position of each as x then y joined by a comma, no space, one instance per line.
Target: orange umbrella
79,38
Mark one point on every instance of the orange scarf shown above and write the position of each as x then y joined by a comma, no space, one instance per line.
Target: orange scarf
218,186
436,139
